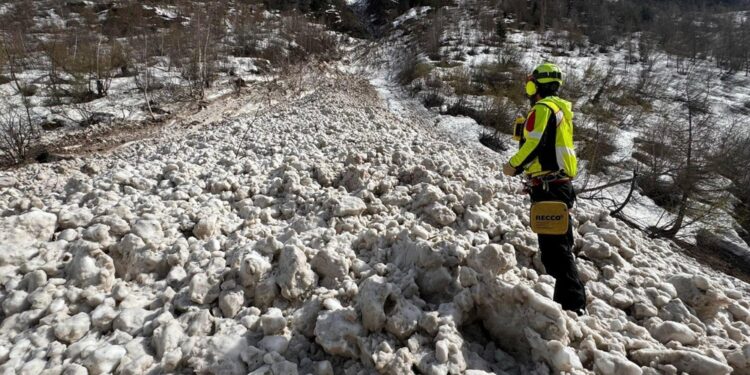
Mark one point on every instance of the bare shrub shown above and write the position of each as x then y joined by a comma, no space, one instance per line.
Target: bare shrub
493,141
495,114
501,80
195,48
17,137
498,115
487,26
462,108
310,39
434,82
461,81
28,89
433,99
661,189
509,56
409,68
596,144
433,37
247,24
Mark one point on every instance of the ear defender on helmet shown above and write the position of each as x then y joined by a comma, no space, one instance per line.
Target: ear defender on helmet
531,87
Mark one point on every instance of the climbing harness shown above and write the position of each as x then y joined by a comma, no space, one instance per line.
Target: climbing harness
554,178
548,217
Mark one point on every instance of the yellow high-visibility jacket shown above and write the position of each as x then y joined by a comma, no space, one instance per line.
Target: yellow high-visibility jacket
547,144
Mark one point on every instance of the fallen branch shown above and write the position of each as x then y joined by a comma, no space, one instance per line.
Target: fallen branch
602,187
633,184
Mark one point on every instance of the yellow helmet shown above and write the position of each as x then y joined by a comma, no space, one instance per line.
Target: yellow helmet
543,74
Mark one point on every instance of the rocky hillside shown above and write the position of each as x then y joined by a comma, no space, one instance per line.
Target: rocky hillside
322,233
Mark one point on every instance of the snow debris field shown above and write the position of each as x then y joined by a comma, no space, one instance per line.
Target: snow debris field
337,238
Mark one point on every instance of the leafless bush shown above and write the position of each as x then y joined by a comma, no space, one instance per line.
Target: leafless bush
493,141
596,145
28,89
409,67
509,56
433,99
462,108
487,26
310,39
17,137
433,36
461,81
498,115
500,80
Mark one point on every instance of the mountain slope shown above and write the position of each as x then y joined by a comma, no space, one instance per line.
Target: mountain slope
330,234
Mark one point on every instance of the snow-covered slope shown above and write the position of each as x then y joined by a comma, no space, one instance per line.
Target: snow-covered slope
331,235
635,89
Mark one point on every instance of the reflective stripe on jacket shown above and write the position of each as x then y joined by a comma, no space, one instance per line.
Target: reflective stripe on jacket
547,144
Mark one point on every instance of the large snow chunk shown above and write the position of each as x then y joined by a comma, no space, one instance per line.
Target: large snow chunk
700,294
167,337
90,266
220,354
19,234
561,358
133,257
333,265
477,219
684,360
608,363
7,181
131,320
74,217
149,230
295,276
104,359
494,259
348,206
440,214
231,303
15,302
272,322
253,268
102,317
206,228
508,310
203,289
673,331
402,322
338,332
72,329
371,300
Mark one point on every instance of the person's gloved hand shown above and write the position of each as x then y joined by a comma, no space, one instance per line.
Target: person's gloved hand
508,170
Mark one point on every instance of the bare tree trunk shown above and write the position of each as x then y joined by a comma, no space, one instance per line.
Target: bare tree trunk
688,175
633,184
542,10
205,74
147,78
99,86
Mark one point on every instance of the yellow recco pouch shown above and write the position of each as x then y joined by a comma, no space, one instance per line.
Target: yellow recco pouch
549,217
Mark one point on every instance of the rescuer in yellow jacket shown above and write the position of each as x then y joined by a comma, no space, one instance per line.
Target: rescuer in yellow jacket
547,157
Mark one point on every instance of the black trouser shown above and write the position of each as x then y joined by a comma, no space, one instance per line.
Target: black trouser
557,250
